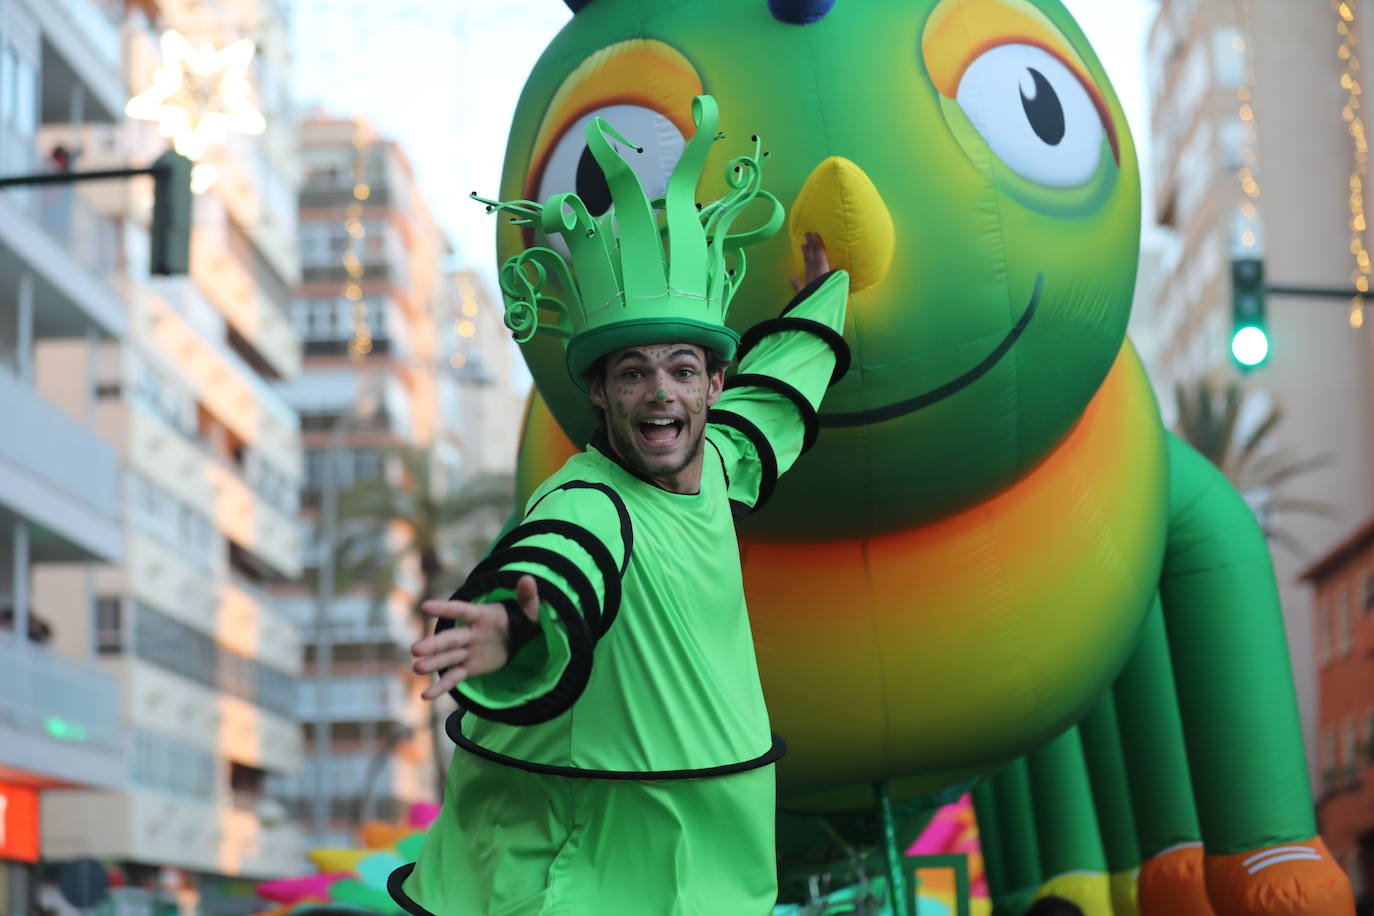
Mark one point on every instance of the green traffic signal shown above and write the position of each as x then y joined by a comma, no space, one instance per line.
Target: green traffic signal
1250,338
1250,345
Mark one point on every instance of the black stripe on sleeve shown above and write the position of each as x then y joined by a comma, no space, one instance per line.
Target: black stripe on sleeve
397,892
626,529
719,455
601,556
768,461
570,683
806,291
808,413
556,563
825,332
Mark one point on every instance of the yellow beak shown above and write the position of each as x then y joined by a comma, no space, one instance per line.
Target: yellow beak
840,203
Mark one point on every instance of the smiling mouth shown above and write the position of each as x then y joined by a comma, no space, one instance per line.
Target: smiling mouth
660,435
953,386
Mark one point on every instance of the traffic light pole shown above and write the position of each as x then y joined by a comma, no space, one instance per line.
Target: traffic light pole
170,233
1316,292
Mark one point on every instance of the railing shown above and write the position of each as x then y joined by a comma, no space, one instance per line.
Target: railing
49,694
50,445
98,21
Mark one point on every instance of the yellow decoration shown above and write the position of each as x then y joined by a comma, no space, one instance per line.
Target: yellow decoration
334,860
1091,890
1349,51
381,835
840,202
199,95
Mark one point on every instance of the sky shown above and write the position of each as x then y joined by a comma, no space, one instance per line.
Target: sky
442,77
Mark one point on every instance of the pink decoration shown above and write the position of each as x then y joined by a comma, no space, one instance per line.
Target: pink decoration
422,814
943,833
289,890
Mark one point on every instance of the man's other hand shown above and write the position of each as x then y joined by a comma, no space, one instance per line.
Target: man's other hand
815,259
479,644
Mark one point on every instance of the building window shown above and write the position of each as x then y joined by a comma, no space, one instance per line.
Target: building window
1326,757
1323,633
1345,626
109,624
169,765
1350,747
1369,592
1228,58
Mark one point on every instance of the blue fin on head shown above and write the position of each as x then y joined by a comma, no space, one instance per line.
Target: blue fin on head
797,12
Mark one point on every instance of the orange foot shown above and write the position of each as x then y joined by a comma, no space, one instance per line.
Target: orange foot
1171,883
1294,879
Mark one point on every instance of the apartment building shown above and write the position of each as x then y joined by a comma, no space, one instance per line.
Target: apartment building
60,494
1343,586
1254,159
370,309
203,665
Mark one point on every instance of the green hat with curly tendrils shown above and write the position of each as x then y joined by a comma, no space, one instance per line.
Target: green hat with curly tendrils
628,290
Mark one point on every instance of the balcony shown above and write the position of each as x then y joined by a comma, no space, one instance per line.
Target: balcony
354,699
69,249
60,718
81,51
60,475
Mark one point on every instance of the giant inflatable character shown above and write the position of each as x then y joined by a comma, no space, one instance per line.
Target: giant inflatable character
965,565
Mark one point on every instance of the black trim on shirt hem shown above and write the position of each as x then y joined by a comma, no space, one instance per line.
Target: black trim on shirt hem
454,727
768,460
825,332
599,553
808,413
627,538
555,562
393,887
571,683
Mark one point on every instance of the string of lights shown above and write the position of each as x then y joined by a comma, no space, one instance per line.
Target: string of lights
1246,174
464,325
361,343
1348,53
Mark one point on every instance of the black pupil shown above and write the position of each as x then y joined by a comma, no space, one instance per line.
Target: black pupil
1043,110
591,184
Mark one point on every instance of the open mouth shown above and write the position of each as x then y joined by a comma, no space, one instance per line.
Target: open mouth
660,432
953,386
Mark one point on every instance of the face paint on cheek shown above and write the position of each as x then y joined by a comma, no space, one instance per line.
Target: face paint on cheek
698,406
621,411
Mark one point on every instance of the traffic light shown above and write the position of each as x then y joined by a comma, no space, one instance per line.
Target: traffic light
170,242
1249,333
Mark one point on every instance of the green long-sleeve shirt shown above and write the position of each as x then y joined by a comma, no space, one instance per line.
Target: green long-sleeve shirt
645,663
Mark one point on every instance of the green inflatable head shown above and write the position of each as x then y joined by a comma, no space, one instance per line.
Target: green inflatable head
965,160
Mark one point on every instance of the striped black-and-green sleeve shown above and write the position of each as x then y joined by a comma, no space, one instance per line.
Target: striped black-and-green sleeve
576,541
766,417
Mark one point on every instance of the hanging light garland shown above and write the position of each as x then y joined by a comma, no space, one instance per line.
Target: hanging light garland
1348,53
361,343
1246,174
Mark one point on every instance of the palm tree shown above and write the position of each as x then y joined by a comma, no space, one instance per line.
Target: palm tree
1215,421
442,530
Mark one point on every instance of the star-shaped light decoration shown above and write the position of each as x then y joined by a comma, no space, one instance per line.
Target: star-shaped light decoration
199,95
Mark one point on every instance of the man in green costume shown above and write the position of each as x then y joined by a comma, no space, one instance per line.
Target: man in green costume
619,758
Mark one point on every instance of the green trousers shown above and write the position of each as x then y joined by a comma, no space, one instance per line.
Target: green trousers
515,843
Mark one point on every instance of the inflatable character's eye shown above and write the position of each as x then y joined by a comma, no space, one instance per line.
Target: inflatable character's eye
571,167
1034,113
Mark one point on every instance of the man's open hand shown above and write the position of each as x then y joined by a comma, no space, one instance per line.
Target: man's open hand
815,261
480,644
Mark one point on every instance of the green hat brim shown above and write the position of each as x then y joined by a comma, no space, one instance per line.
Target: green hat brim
589,346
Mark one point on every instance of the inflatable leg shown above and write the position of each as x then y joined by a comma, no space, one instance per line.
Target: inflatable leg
1151,733
1021,867
1071,855
1240,716
1112,799
990,842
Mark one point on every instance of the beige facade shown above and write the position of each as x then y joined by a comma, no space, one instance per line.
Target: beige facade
1250,91
369,310
205,661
